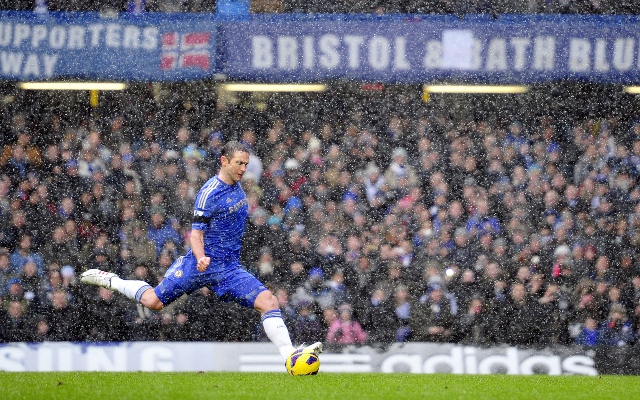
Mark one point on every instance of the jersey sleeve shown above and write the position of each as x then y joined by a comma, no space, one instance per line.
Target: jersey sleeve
202,211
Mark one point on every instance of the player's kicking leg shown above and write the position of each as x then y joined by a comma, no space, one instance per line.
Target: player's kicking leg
267,304
139,291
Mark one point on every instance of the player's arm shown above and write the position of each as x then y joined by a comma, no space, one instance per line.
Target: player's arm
197,248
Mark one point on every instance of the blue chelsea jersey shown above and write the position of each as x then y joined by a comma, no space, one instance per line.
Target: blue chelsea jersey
220,211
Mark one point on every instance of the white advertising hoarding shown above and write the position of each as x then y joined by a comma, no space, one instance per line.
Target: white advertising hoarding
423,358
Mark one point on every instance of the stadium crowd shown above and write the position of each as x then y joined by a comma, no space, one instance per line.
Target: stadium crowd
370,229
400,224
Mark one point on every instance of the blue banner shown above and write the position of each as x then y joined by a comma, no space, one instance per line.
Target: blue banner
158,47
395,48
416,49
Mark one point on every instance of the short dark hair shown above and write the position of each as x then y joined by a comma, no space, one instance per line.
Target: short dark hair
230,148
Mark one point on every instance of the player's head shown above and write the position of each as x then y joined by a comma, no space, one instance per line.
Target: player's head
234,158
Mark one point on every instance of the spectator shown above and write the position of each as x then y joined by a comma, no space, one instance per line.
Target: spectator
14,291
519,318
379,318
400,175
100,244
474,324
142,323
181,203
106,317
70,183
616,330
256,236
17,229
264,267
23,253
465,289
554,306
100,259
305,324
464,253
315,288
67,210
68,275
90,163
32,152
143,249
201,314
160,230
402,304
345,330
61,316
103,207
287,305
31,282
5,202
480,222
16,167
375,185
431,318
17,327
177,328
40,212
60,250
42,329
589,333
116,179
52,282
5,271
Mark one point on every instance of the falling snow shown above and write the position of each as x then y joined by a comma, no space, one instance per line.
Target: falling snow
377,214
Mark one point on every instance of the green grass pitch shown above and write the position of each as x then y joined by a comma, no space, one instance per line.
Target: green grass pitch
240,385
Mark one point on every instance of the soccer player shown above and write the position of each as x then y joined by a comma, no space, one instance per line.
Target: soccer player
220,212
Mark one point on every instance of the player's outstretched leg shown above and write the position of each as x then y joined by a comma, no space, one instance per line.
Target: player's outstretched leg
132,289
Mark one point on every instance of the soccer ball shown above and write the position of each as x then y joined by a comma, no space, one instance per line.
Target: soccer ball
303,362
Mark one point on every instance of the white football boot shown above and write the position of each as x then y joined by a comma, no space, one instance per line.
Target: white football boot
97,277
315,348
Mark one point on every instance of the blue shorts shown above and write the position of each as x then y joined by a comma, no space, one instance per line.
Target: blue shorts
228,280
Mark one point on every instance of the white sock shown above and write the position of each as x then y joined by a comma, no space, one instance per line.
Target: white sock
277,332
131,289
